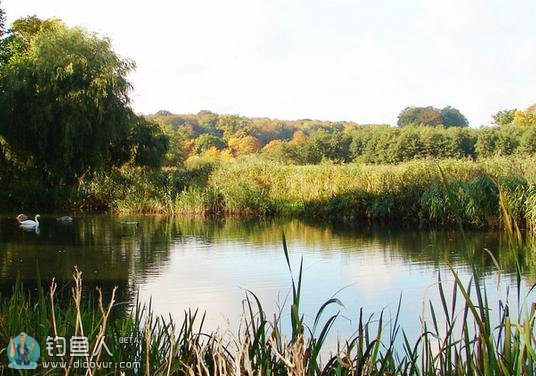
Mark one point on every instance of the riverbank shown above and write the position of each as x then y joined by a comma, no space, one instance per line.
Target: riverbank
433,193
427,192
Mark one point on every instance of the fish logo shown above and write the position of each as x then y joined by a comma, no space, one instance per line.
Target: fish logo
23,352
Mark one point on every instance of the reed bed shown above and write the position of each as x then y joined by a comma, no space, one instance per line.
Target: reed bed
461,334
408,193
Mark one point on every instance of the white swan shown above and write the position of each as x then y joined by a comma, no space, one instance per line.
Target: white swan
29,224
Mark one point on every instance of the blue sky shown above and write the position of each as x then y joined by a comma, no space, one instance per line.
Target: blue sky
360,60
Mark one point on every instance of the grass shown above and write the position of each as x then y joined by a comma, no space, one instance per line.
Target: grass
411,192
406,193
461,334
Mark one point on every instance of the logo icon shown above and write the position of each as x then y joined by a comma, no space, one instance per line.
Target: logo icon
23,352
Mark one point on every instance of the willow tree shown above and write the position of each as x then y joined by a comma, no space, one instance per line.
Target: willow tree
64,100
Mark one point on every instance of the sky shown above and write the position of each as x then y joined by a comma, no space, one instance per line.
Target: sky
354,60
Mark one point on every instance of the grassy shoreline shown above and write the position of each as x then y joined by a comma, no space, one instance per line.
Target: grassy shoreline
410,193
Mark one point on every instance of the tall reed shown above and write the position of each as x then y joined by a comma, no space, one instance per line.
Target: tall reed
410,192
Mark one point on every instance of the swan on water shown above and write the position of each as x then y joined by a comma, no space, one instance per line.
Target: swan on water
28,224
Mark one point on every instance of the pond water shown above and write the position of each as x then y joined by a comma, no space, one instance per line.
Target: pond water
182,263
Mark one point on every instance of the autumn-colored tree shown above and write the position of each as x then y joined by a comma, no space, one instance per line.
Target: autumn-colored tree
268,130
526,118
212,153
271,145
419,115
298,138
188,147
244,145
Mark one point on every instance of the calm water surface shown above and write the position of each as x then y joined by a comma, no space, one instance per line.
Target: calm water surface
187,263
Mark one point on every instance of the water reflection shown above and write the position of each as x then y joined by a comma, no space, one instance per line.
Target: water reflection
185,262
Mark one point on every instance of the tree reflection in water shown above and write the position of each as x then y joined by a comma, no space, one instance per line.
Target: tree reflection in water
111,254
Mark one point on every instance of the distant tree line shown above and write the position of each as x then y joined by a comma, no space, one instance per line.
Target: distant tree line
422,132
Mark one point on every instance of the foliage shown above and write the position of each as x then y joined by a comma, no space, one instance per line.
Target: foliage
431,116
63,103
3,45
176,151
504,117
150,143
419,115
233,126
393,145
503,140
528,141
526,118
408,193
244,145
24,30
65,122
282,152
324,145
207,141
2,22
452,117
311,141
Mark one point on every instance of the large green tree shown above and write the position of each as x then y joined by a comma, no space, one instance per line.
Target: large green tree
431,116
64,100
452,117
419,115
